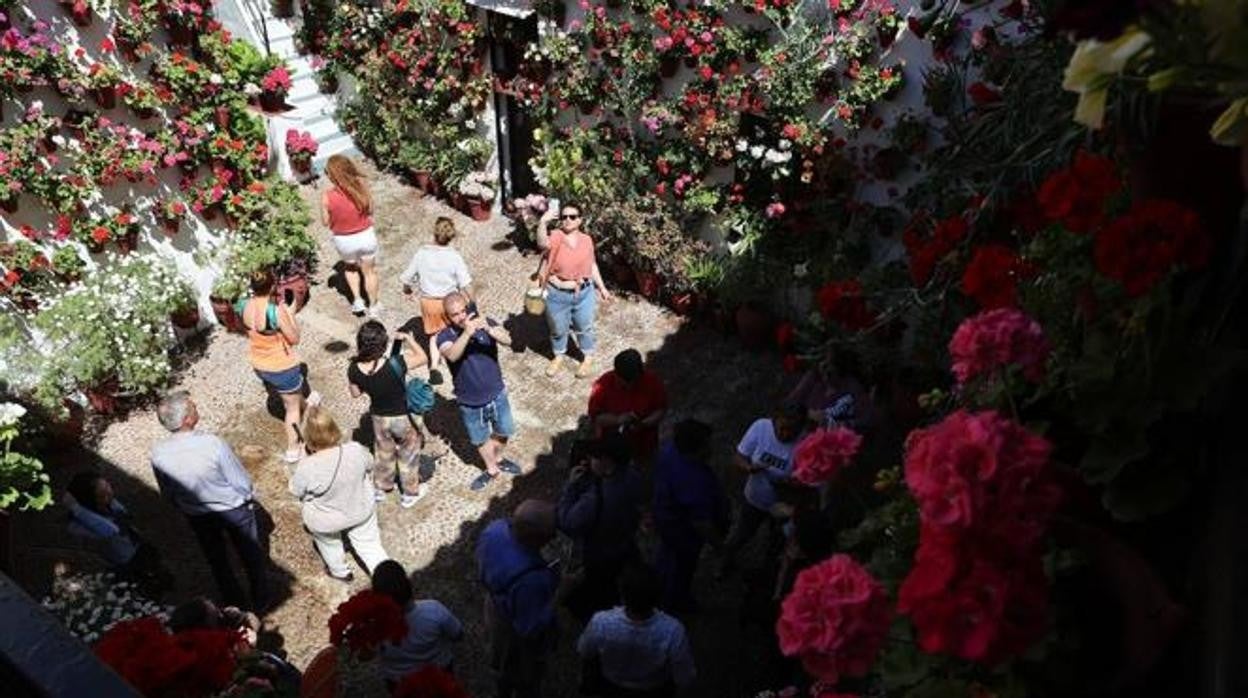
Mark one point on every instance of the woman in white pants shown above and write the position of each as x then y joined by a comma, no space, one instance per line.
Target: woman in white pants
335,483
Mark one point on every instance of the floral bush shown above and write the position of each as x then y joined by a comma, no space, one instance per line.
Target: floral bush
22,480
90,604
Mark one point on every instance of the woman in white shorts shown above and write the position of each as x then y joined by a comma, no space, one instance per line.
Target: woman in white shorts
347,209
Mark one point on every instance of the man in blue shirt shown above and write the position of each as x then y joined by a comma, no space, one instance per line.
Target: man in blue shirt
201,476
689,511
470,346
520,596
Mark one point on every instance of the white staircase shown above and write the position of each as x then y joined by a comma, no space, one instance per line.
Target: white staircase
311,110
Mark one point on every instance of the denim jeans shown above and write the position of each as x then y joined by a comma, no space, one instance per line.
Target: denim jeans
571,311
491,419
240,526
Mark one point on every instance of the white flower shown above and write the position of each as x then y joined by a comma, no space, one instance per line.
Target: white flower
784,144
251,89
10,413
216,79
756,152
799,270
742,145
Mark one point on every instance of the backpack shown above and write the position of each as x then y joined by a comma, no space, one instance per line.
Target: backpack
419,393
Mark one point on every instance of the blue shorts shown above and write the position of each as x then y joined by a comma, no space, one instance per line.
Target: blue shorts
492,418
285,382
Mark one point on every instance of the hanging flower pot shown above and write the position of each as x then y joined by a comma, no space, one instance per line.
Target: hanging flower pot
302,164
128,241
185,318
81,14
129,52
181,34
294,290
479,209
223,310
271,100
283,9
210,212
9,203
105,97
171,225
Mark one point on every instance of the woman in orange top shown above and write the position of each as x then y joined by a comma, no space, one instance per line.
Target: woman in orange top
347,209
271,334
573,286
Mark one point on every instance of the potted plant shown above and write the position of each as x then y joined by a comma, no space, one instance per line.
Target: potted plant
127,236
142,99
79,11
133,26
182,17
478,192
67,264
274,87
418,160
171,213
23,484
102,80
283,9
185,314
300,148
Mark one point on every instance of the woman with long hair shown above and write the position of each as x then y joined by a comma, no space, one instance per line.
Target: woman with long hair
347,207
379,371
573,285
438,270
271,336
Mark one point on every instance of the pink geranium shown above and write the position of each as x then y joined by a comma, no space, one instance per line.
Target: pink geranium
276,80
835,619
822,454
995,340
300,144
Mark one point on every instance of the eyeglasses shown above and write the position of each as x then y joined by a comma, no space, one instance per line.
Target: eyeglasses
571,216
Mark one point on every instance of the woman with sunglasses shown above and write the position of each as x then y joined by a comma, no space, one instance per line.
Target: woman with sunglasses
573,286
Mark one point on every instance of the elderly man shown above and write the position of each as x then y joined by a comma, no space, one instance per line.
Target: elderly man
470,346
629,400
201,476
520,596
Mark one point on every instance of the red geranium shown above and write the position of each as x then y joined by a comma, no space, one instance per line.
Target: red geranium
1139,248
1076,195
430,681
785,334
835,619
191,663
822,454
843,302
981,94
366,620
991,277
995,340
926,252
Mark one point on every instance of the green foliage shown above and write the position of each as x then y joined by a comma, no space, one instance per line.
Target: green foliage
23,484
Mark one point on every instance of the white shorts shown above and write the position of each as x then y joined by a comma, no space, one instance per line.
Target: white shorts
357,246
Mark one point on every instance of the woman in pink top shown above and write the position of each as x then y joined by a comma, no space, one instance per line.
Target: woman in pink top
573,286
347,209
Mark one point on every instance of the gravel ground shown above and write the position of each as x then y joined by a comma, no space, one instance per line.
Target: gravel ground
709,376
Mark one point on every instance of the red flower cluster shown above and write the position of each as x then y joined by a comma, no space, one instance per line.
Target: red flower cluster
431,681
926,253
843,302
995,340
158,663
1075,196
991,277
977,589
822,454
366,620
835,619
786,334
1139,248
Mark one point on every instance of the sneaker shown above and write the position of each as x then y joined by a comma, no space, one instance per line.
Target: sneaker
313,399
509,467
554,365
345,579
407,501
583,368
481,481
380,495
358,307
292,456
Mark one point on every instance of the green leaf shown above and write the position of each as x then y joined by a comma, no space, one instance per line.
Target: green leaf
902,664
1109,454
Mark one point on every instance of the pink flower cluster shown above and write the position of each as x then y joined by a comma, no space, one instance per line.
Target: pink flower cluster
835,619
300,144
977,589
822,454
995,340
276,80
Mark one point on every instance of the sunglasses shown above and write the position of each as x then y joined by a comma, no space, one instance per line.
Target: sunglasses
571,217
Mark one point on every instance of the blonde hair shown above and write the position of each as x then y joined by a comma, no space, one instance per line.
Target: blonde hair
443,230
320,431
342,171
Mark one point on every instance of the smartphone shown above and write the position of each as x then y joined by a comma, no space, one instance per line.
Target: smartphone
553,204
472,308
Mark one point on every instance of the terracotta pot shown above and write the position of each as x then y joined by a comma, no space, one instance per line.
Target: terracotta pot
753,326
223,310
144,112
129,52
128,241
186,319
210,212
301,164
294,289
181,35
422,180
103,397
221,114
649,284
283,9
69,428
81,16
171,225
272,101
105,97
458,202
9,203
479,209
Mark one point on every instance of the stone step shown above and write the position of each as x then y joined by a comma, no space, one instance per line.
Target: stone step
342,145
302,88
323,128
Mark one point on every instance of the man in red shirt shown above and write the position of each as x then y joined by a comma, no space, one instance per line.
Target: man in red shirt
629,400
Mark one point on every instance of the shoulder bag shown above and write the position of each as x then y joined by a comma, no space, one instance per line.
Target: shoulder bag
419,393
535,296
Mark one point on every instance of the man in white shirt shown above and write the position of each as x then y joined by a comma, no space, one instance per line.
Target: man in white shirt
636,650
201,476
438,270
